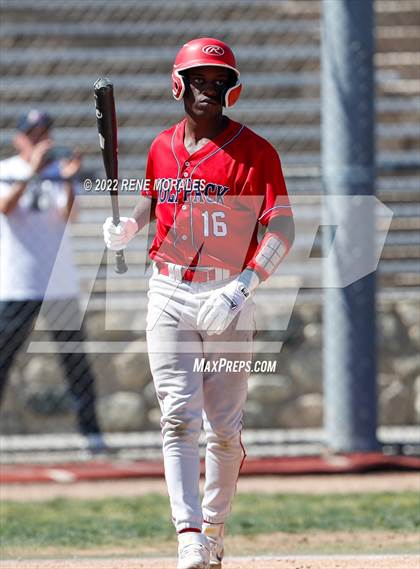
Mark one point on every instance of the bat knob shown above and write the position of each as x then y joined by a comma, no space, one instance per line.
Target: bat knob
120,264
102,83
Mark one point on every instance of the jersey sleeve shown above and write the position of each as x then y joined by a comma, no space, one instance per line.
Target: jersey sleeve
271,185
10,175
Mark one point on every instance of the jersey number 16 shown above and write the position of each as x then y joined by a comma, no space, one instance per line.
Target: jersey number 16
218,227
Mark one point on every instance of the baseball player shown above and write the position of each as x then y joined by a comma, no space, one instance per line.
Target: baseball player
212,183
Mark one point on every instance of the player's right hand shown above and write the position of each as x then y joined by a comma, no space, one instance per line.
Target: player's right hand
118,237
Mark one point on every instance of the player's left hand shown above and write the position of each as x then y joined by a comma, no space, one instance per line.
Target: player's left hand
221,307
69,167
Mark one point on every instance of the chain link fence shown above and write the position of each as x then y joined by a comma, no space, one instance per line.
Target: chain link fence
52,52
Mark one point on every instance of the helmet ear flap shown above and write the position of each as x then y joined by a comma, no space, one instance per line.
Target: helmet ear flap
178,85
232,92
231,95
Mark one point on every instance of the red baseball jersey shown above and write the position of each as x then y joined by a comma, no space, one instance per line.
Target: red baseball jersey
209,203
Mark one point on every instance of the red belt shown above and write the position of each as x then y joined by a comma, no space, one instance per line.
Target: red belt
196,275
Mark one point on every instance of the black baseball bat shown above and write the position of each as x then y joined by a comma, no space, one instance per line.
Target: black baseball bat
106,119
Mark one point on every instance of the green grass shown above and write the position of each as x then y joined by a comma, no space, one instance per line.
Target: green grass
121,522
301,513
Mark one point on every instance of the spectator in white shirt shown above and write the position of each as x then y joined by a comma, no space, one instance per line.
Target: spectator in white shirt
36,265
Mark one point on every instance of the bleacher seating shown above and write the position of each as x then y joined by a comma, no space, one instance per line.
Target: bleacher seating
52,52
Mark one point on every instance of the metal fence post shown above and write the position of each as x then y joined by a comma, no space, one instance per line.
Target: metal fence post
348,169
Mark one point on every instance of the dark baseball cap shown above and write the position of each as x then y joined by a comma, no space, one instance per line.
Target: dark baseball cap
34,118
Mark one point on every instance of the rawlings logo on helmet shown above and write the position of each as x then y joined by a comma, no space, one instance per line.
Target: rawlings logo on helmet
213,50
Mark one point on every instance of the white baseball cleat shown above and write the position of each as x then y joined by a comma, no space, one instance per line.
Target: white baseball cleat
193,551
214,534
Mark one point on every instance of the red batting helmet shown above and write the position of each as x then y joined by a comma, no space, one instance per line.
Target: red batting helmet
205,51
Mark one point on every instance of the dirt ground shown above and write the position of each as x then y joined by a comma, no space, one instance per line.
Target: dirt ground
302,562
380,482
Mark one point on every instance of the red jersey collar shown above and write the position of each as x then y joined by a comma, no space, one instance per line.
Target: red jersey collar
181,152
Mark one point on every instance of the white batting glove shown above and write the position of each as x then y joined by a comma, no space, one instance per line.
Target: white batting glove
118,237
222,306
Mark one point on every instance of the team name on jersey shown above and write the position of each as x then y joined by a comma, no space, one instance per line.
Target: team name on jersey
175,190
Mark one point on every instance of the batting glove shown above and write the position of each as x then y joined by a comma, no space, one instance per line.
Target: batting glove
222,306
118,237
